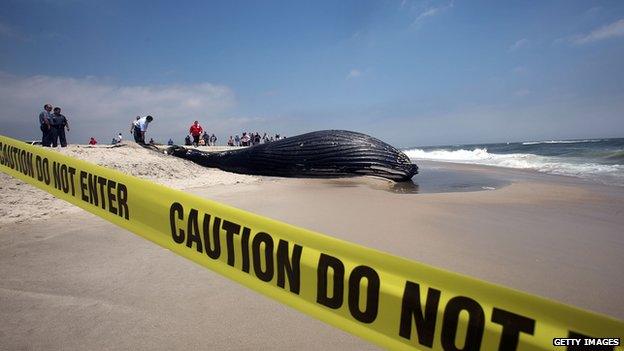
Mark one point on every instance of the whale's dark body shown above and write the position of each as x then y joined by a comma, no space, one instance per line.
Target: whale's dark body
324,154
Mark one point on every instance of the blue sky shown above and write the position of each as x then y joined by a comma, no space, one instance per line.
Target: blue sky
409,72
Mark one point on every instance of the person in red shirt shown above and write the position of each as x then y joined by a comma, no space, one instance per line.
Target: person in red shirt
196,131
92,141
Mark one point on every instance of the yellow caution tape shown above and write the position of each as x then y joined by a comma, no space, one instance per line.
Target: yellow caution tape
393,302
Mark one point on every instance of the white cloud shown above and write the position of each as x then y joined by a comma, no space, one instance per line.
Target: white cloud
520,44
354,73
430,12
615,29
97,107
522,92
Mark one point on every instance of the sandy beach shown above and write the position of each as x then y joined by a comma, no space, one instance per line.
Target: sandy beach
69,280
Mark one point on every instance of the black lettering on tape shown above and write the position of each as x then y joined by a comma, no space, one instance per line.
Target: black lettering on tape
369,314
260,240
122,201
21,158
192,231
102,182
450,322
425,322
31,163
72,173
178,235
245,248
27,159
325,263
64,179
39,168
56,175
3,156
215,252
230,230
288,267
111,185
83,186
14,163
513,324
46,171
11,157
5,159
16,158
60,174
92,184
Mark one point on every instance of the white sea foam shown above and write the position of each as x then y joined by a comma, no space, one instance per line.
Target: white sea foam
608,174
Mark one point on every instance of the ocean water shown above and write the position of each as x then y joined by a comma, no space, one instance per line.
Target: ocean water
597,160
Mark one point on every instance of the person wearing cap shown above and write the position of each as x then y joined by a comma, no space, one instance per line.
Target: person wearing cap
58,124
140,127
45,117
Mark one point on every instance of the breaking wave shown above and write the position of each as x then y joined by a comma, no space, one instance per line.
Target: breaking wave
577,167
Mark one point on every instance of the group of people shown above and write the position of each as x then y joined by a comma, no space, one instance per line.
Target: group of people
117,139
53,124
199,137
250,139
196,138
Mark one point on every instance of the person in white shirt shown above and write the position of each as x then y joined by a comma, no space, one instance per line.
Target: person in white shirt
140,127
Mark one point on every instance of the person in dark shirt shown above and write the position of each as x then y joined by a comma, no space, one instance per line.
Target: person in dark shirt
58,124
206,138
45,118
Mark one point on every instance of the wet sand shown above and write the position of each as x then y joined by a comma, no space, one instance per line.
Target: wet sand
73,281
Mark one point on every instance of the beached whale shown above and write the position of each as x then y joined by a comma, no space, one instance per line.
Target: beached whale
323,154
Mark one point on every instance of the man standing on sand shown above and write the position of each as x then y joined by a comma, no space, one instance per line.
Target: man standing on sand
59,123
140,127
196,131
133,124
45,117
